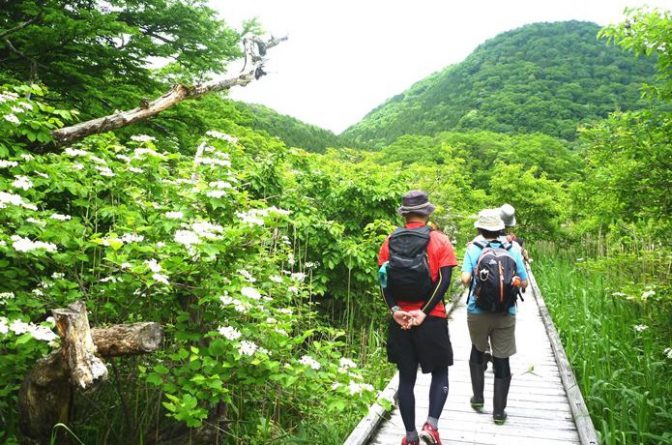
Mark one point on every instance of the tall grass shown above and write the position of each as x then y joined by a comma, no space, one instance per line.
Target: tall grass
615,321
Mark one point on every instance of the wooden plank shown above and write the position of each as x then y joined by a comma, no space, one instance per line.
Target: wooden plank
584,423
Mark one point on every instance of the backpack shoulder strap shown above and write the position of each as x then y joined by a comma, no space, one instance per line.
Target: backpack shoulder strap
482,244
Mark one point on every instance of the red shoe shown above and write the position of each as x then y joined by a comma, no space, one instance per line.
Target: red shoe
405,441
430,435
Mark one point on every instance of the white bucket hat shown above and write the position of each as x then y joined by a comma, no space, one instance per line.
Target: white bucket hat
490,220
508,215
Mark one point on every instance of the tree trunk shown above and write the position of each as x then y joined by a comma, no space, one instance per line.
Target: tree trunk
46,395
252,69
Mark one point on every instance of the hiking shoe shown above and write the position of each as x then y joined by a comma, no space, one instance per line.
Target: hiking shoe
405,441
430,435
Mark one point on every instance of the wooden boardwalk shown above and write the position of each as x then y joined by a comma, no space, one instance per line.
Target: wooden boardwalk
544,404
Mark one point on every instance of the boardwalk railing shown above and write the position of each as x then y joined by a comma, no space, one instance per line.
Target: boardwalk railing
525,425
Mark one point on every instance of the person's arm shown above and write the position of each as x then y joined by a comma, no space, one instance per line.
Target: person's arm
440,289
520,269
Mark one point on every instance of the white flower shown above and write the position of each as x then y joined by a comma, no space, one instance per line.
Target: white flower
139,153
227,300
346,363
310,265
18,110
160,244
4,329
229,332
187,238
142,138
57,275
74,152
6,164
242,307
27,157
153,265
218,135
647,294
22,182
35,221
293,289
220,185
160,278
5,296
26,105
78,166
618,294
269,320
356,388
207,230
298,276
42,333
247,348
135,170
108,279
59,217
98,160
42,175
215,193
281,332
21,244
309,361
275,278
250,292
19,327
12,118
104,171
286,311
640,327
125,266
132,238
668,353
174,215
248,276
123,158
37,292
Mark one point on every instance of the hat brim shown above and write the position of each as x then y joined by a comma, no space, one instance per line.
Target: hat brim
490,228
424,210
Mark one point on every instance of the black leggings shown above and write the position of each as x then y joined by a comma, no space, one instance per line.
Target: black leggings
501,365
438,393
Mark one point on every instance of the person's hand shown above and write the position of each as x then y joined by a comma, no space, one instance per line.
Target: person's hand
418,316
403,319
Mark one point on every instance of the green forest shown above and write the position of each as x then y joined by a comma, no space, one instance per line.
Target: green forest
251,237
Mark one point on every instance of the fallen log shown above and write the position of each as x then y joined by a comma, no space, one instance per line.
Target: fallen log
46,395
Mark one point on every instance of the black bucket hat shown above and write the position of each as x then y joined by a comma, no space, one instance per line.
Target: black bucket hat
416,201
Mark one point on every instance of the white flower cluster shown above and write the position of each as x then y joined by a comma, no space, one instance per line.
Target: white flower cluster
4,296
251,293
13,199
160,278
12,118
247,348
75,152
142,138
153,265
311,362
668,353
255,217
640,327
229,332
140,153
36,221
275,278
247,275
174,215
19,327
7,164
59,217
647,294
135,170
8,96
22,182
239,306
104,171
218,135
345,364
356,388
199,230
21,244
298,276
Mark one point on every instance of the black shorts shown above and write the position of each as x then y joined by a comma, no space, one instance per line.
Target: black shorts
427,344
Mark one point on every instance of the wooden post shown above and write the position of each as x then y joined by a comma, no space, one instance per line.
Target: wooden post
46,394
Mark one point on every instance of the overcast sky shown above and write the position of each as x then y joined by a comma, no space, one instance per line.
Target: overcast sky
345,57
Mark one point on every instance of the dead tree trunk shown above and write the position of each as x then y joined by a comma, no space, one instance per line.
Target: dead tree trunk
255,49
46,395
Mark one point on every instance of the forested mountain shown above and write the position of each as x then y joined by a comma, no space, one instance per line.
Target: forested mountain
544,77
291,131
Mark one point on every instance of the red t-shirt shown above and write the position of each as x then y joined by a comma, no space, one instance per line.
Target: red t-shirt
440,254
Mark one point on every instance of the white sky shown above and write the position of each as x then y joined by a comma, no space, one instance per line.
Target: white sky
345,57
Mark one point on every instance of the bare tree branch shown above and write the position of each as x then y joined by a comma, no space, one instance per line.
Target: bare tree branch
20,26
253,69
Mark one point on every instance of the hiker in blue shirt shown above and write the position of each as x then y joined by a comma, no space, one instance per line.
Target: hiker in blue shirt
496,329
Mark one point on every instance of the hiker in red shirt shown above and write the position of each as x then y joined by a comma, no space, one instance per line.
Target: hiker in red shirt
416,266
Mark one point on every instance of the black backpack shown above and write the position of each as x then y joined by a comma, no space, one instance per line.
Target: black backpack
408,275
494,272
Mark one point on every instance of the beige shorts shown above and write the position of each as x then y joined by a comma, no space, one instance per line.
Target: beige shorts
497,329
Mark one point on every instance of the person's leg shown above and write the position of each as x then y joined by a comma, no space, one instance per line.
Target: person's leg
477,365
501,390
438,393
408,372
